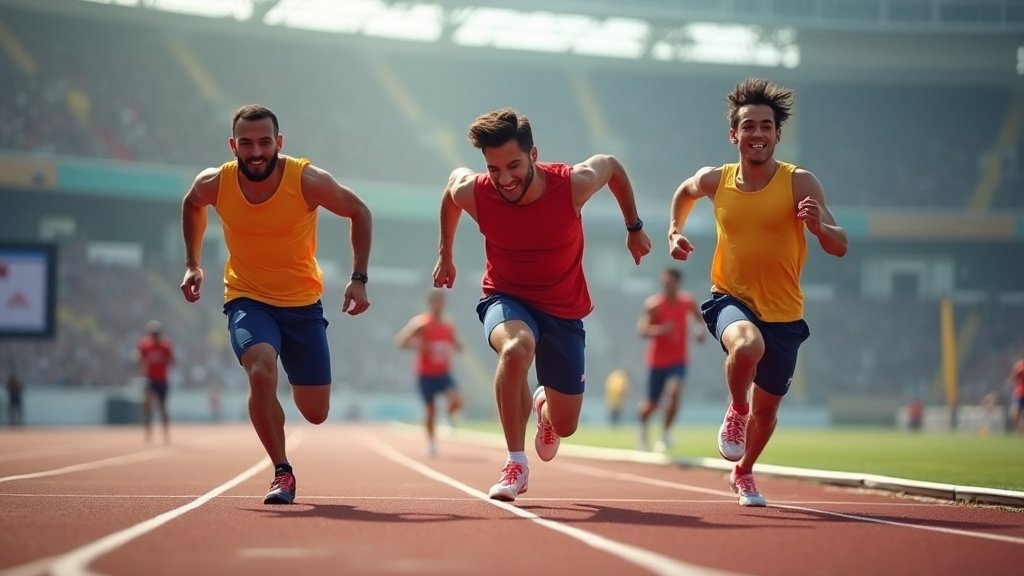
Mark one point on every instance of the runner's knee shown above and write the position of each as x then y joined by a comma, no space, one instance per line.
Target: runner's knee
517,351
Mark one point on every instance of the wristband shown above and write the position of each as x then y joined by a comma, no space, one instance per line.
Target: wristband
360,277
635,227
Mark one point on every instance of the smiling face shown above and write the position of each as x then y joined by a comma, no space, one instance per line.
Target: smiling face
511,169
756,133
256,146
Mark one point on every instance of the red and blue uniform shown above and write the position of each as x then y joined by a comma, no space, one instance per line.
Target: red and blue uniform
433,361
534,273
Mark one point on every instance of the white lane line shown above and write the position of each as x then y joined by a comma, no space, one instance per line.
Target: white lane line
93,465
690,488
940,529
286,553
730,500
34,568
143,455
651,561
76,562
636,478
34,453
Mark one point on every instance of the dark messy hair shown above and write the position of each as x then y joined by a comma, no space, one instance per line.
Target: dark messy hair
254,112
759,91
496,128
675,273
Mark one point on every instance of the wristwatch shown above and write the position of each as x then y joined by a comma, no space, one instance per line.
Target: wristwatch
361,277
635,227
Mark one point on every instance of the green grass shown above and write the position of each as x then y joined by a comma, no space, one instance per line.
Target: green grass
993,461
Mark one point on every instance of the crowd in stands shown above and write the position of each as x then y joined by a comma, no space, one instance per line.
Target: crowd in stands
386,117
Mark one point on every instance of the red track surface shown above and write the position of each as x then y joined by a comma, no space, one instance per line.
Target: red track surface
371,502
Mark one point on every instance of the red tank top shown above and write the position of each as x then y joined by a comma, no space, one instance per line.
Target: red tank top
156,356
669,348
1018,385
434,355
535,252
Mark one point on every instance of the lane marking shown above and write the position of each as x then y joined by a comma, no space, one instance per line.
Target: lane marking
690,488
147,454
651,561
34,453
940,529
34,568
93,465
278,553
731,500
76,562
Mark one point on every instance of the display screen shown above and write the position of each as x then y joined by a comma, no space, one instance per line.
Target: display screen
28,286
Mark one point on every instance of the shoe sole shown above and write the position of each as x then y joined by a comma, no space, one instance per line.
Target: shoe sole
278,499
502,497
736,459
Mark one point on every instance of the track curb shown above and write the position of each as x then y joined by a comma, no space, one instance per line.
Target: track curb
902,486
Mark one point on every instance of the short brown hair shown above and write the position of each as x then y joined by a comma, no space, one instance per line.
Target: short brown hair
496,128
759,91
254,112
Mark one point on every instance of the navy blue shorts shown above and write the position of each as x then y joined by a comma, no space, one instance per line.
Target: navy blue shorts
158,388
782,340
560,343
431,386
659,378
298,334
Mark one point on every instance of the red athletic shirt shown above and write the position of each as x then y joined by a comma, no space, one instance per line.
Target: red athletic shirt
669,348
156,356
535,252
433,357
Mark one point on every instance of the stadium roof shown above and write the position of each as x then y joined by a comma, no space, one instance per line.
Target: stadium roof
906,39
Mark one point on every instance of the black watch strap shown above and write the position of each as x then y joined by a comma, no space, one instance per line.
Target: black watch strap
361,277
636,227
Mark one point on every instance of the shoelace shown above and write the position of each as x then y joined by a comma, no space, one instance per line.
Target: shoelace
734,427
283,480
547,433
746,484
510,473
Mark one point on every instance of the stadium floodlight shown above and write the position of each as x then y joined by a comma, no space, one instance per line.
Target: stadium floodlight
115,2
416,21
237,9
736,44
549,32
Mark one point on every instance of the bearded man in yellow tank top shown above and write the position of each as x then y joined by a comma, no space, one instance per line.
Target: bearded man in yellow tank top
761,208
267,203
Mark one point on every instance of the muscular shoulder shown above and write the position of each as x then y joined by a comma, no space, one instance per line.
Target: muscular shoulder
804,177
207,183
313,177
805,183
708,178
461,182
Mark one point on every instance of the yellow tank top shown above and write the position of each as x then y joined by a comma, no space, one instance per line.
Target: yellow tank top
271,245
761,245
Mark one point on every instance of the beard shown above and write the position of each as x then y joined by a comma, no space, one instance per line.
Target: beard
243,167
525,184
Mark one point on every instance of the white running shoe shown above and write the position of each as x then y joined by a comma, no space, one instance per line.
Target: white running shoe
747,490
732,436
665,444
431,448
545,441
514,480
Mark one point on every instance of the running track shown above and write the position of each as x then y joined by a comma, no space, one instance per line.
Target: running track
98,501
